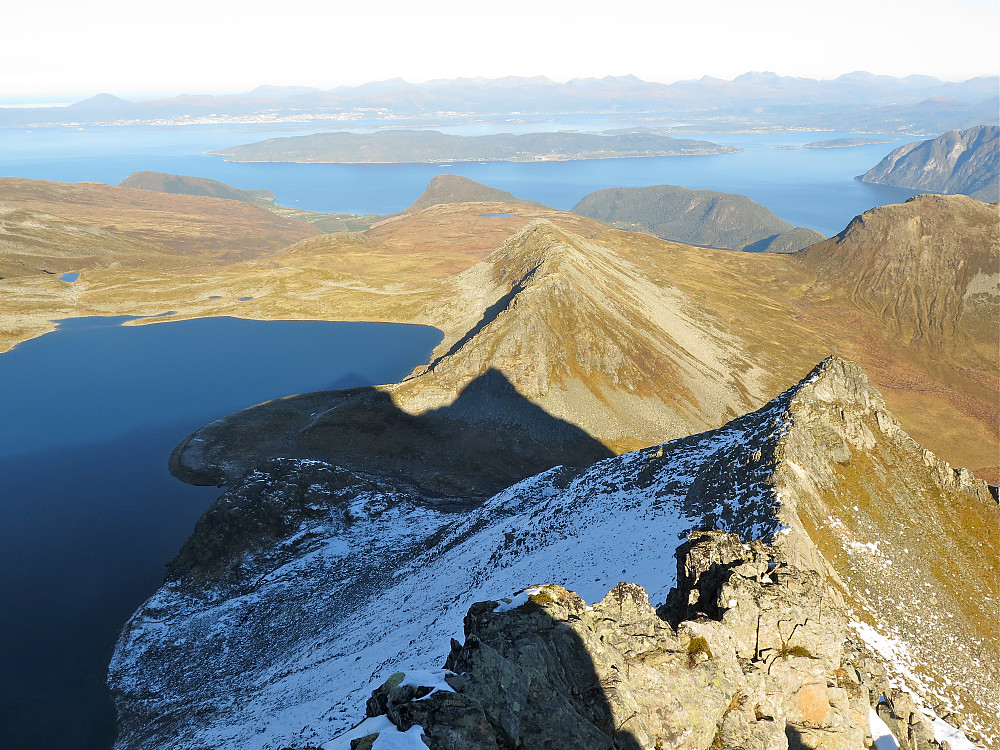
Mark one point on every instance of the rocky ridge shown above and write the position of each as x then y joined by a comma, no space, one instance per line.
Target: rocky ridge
273,625
557,338
750,653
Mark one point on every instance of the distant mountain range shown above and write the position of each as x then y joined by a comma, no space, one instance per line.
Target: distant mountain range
916,104
963,162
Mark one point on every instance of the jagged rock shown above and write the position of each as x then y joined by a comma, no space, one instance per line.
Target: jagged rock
912,729
552,672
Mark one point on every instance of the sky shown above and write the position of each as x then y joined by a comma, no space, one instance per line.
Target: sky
66,49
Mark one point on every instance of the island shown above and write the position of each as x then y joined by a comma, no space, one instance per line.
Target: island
431,146
846,142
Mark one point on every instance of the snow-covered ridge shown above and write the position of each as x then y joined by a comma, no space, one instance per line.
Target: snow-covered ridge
279,639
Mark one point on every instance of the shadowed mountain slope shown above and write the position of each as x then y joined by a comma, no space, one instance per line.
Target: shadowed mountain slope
696,217
960,161
489,437
305,556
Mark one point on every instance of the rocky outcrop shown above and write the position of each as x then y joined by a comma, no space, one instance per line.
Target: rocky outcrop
697,217
960,161
758,658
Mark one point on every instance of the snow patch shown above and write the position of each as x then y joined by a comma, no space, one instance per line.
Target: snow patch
432,678
389,737
945,732
881,734
518,600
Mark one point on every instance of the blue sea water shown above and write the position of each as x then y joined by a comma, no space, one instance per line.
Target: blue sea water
808,187
88,415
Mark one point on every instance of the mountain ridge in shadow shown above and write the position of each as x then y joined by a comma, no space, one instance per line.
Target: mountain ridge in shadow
489,437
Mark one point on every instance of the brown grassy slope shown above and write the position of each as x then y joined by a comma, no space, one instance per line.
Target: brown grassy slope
632,338
189,227
637,340
141,252
389,274
33,243
914,289
432,244
452,188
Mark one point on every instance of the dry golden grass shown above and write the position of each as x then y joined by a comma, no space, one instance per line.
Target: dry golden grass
707,334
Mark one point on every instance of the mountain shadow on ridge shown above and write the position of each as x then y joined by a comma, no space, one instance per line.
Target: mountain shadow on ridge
489,437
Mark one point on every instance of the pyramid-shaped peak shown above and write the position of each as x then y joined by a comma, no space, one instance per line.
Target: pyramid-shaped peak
101,100
452,188
837,380
541,247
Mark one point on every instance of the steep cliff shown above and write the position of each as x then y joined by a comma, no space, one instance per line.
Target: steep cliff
959,161
306,585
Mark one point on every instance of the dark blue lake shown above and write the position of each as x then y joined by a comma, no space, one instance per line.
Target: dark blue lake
808,187
89,513
89,413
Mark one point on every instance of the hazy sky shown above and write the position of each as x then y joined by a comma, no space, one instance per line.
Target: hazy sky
67,48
